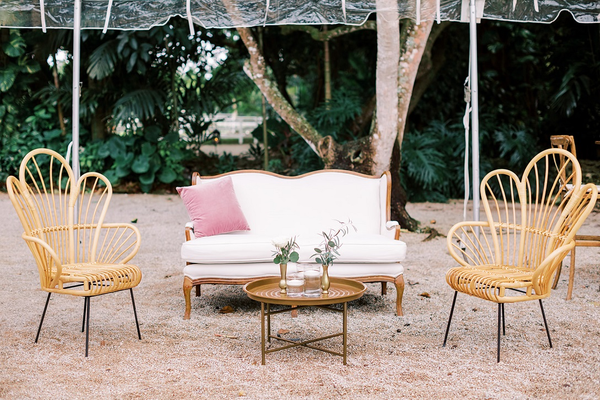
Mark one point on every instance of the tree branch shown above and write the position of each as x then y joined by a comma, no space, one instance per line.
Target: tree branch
257,69
323,36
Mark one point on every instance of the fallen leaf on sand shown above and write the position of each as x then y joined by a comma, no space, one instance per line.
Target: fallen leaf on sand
226,310
241,393
282,331
425,294
433,233
412,283
134,221
432,221
226,336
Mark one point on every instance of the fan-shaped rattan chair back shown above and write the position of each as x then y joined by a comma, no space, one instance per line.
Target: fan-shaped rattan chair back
76,252
530,226
531,215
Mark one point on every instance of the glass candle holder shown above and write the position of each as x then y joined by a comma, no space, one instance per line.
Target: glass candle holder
312,280
295,284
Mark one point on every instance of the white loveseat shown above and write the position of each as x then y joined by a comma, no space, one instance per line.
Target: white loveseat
301,206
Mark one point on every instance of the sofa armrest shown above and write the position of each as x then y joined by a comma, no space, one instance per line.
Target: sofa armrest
189,231
392,230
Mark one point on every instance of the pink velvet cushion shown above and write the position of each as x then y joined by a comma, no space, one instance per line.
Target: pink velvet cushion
213,208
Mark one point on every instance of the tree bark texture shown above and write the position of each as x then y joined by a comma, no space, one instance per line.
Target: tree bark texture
385,128
416,42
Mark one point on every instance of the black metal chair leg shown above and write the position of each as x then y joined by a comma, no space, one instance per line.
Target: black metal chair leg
503,321
43,315
87,326
135,314
84,310
499,323
450,318
545,323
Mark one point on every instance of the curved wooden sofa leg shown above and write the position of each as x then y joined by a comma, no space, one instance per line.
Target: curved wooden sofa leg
399,283
198,291
383,288
187,291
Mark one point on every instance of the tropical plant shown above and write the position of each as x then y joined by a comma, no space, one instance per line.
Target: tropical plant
149,157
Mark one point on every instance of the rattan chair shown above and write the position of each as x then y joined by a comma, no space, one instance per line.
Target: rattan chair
529,227
567,142
76,252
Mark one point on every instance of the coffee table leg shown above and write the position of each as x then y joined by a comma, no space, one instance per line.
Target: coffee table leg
345,331
269,322
262,332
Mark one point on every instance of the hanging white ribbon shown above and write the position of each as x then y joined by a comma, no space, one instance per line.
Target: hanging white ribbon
344,9
43,15
266,12
188,10
418,12
466,124
438,12
110,2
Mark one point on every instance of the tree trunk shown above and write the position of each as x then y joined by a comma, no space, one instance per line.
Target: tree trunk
327,65
399,199
385,127
416,42
98,122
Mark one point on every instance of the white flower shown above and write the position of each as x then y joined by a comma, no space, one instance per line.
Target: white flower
280,242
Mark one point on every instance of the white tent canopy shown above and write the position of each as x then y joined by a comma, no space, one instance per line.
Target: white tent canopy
144,14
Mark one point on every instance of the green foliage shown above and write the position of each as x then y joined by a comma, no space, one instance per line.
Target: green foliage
145,158
516,147
285,250
328,251
38,130
433,160
332,117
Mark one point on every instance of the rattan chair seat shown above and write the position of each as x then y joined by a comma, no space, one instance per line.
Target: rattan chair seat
96,278
490,282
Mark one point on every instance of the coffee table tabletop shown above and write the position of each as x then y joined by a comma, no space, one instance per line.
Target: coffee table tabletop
341,290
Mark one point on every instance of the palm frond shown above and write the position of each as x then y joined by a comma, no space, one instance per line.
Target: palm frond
141,104
103,60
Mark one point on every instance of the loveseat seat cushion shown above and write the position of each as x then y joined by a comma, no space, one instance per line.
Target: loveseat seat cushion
249,247
263,270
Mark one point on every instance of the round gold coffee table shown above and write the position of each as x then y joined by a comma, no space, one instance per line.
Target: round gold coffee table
267,292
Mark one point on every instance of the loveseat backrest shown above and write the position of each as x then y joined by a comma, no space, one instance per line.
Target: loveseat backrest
311,203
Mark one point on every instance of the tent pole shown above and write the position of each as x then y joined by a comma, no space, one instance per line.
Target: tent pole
475,109
76,88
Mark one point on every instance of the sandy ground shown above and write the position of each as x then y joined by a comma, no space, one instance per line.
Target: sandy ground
217,355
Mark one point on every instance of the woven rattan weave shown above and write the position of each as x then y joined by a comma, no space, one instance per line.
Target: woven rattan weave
567,142
76,252
529,227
